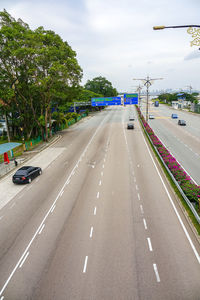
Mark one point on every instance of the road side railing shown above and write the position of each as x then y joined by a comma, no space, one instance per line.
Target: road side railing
195,213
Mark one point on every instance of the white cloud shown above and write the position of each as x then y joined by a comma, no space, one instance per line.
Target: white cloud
193,55
115,38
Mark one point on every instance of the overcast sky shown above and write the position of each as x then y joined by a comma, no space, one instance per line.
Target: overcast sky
115,39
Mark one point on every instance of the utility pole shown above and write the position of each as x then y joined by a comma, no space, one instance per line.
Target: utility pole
138,89
190,87
147,82
7,127
75,107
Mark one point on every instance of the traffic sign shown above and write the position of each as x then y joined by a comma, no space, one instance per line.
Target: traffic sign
130,99
104,101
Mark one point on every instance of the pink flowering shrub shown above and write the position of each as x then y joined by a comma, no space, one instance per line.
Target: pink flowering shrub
191,190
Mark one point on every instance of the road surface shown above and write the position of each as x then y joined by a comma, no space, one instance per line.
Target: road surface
100,223
182,141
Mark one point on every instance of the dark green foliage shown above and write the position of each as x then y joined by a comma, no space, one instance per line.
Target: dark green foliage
102,86
37,69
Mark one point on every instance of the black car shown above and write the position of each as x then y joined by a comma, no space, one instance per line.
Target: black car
130,126
26,174
182,122
131,118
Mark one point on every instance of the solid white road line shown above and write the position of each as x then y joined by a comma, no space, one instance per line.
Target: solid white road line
145,223
156,272
174,207
2,298
91,232
95,210
61,193
41,229
12,205
85,264
149,243
25,257
53,208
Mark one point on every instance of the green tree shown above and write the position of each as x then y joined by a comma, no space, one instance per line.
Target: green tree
35,68
86,95
102,86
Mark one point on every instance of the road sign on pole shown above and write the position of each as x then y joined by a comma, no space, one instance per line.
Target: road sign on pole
130,99
105,101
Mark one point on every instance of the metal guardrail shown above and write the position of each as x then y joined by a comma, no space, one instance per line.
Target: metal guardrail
174,180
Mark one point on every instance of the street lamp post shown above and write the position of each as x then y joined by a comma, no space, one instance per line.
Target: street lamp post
177,26
139,88
147,82
192,29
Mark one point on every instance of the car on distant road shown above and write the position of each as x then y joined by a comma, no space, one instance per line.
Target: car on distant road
131,118
26,174
174,116
151,117
130,126
182,122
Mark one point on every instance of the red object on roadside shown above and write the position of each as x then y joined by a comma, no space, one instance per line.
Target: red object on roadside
6,159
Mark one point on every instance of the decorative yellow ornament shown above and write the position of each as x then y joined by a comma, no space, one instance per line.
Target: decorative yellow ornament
195,32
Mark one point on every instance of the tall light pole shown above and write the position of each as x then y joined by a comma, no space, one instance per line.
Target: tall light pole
190,87
139,88
147,82
195,32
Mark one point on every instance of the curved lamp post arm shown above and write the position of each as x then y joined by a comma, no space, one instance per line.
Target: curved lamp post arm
192,29
178,26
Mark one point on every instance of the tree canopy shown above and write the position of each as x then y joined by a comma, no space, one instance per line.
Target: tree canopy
37,68
102,86
174,96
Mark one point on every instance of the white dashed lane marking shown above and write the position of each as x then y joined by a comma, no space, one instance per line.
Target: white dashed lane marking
145,224
149,243
85,264
141,208
95,210
91,232
156,272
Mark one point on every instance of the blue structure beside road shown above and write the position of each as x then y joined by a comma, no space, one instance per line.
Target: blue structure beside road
130,99
104,101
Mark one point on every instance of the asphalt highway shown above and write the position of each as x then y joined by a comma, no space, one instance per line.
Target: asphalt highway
182,141
101,222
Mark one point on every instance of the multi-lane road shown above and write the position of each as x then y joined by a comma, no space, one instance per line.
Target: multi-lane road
182,141
100,223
